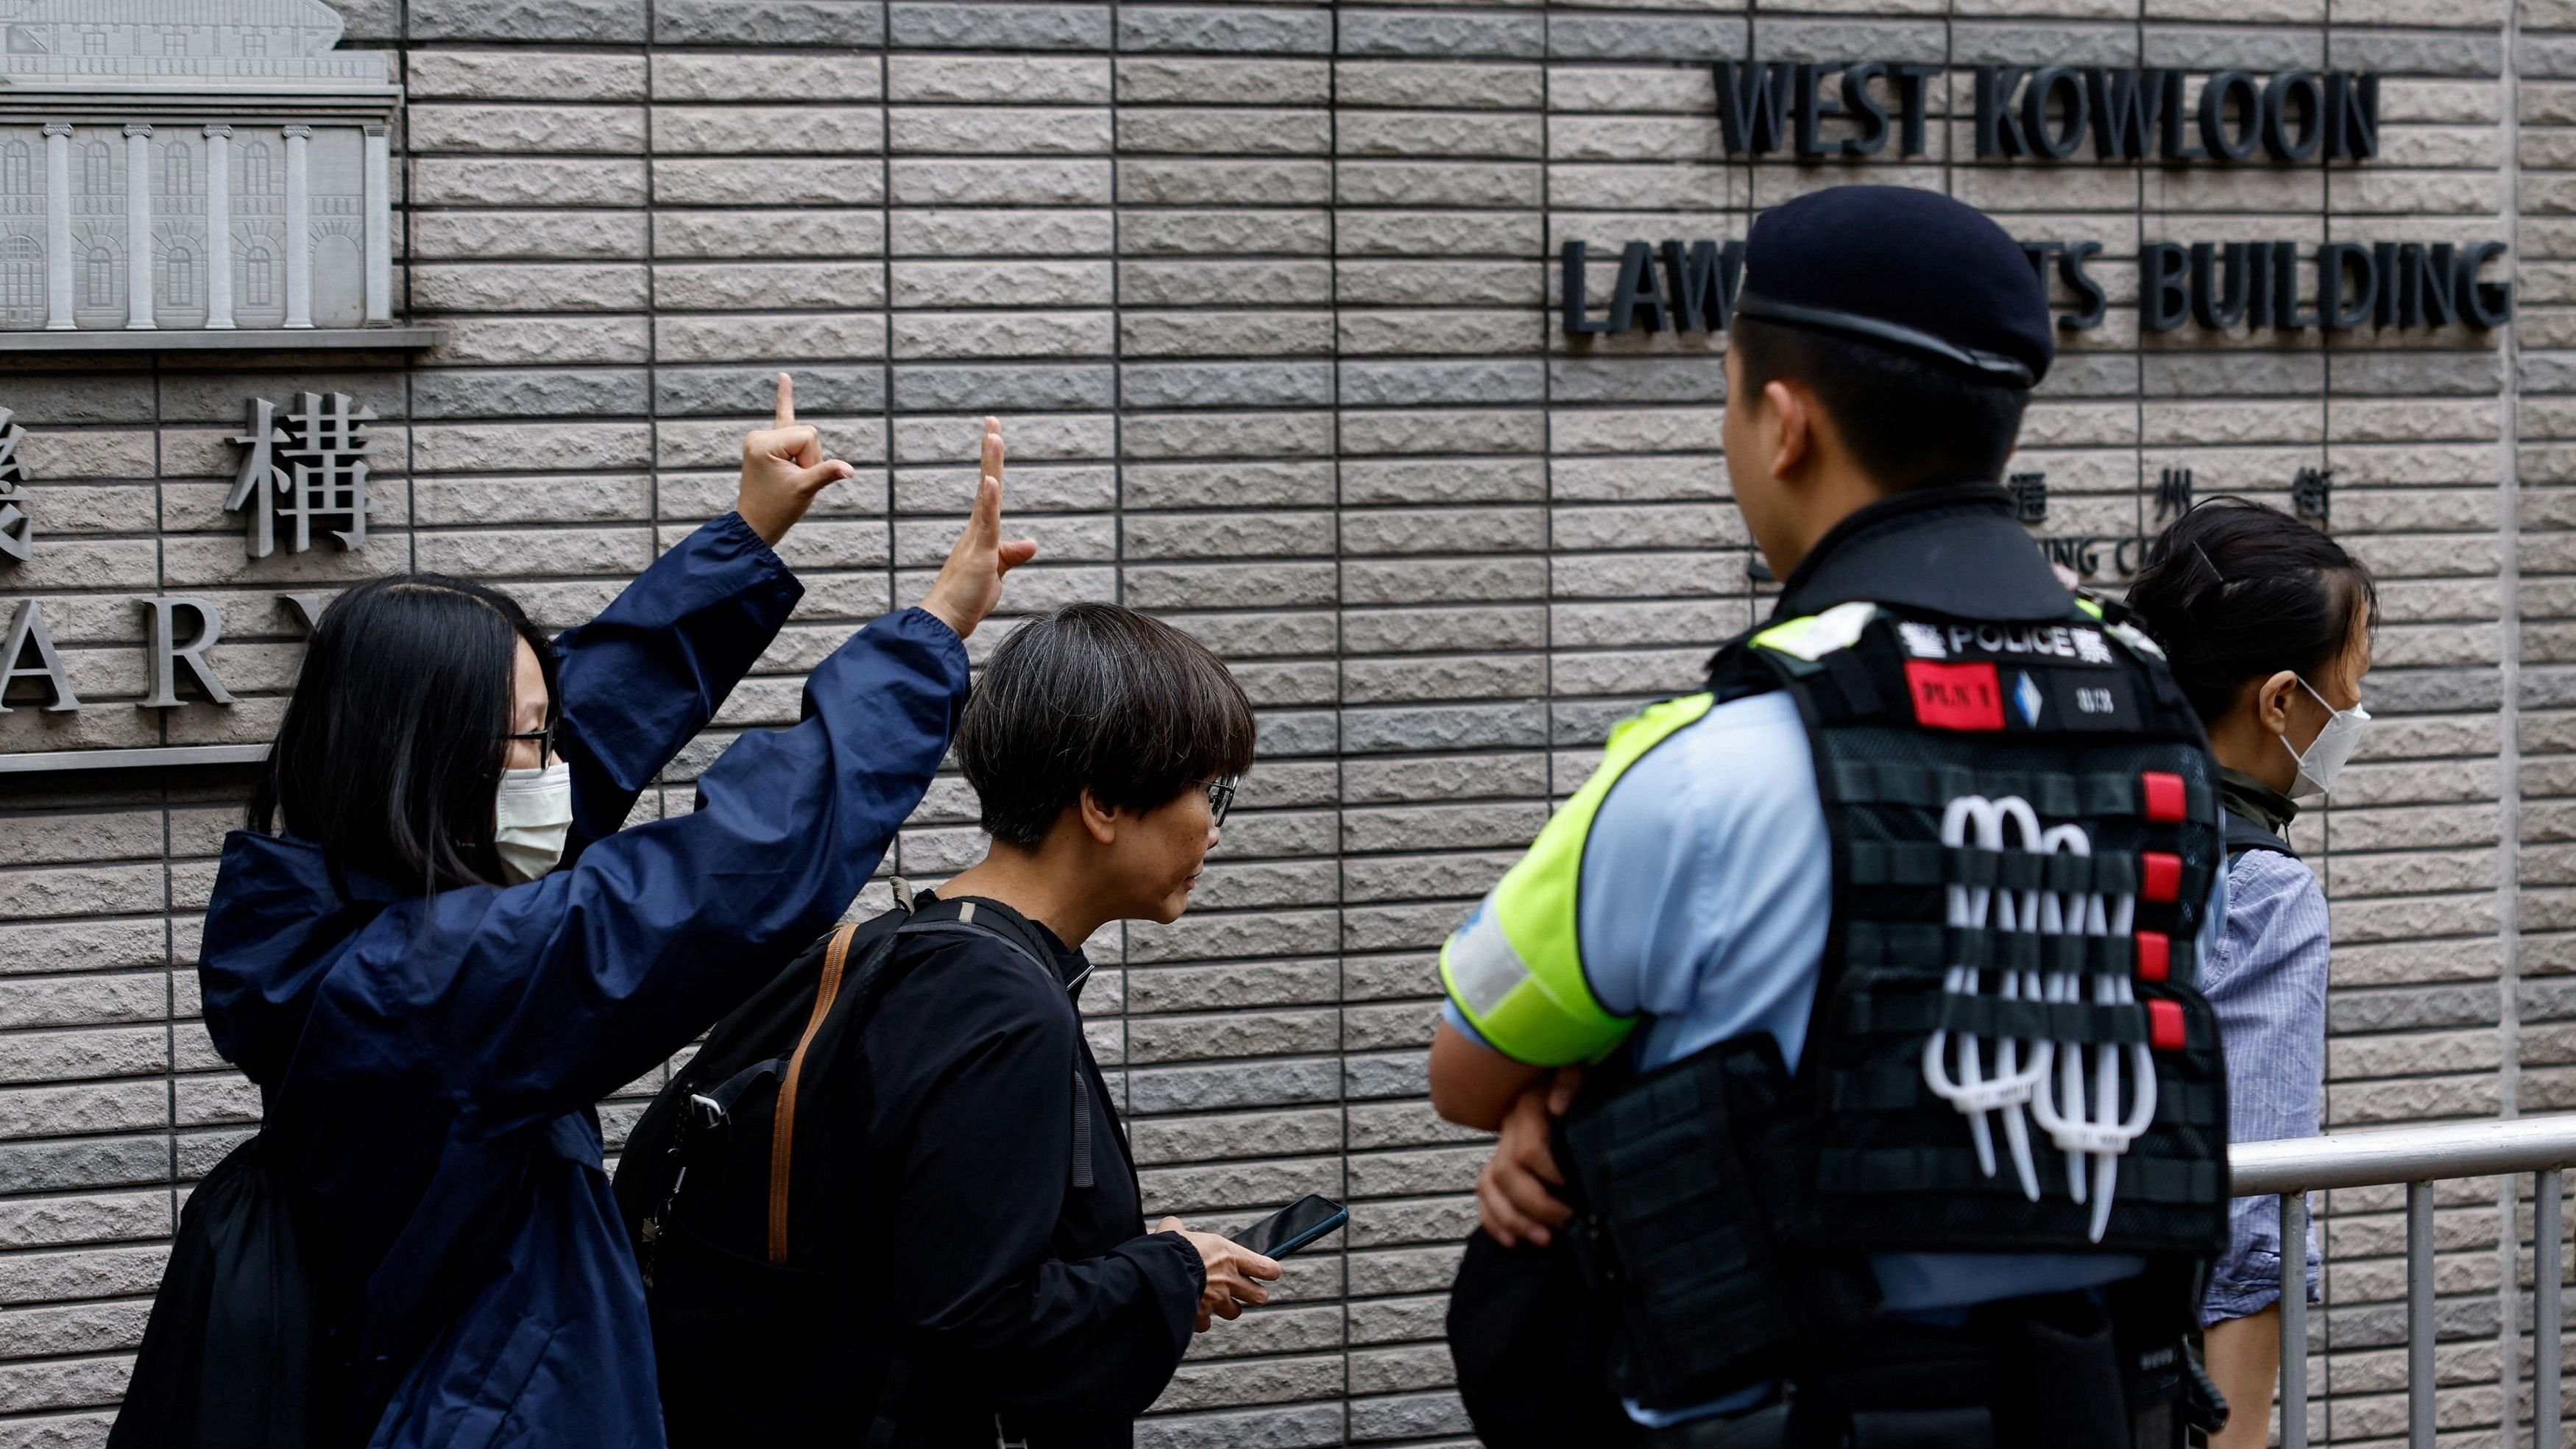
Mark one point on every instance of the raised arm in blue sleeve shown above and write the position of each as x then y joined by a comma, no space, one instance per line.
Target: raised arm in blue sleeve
639,682
534,1000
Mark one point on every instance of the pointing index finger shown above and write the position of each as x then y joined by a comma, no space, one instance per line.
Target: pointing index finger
993,448
786,401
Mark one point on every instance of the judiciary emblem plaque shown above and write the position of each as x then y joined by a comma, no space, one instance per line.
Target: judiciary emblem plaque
191,165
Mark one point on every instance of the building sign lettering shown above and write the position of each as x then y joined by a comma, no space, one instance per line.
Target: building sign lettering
2340,287
2030,497
2049,113
2312,495
313,466
17,529
298,467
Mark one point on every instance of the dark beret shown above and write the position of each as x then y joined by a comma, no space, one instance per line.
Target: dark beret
1902,268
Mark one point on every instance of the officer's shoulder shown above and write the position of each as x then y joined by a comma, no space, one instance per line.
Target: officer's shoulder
1747,720
1744,750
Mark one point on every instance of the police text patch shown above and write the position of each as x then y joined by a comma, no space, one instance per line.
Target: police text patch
1955,696
2090,700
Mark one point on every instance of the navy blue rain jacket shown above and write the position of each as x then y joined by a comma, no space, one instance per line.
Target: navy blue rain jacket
427,1063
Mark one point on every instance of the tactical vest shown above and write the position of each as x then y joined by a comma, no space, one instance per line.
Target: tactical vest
2025,832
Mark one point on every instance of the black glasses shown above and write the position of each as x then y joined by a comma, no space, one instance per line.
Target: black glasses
1220,798
545,739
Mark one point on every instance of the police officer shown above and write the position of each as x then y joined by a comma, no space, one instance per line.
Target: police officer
1900,1122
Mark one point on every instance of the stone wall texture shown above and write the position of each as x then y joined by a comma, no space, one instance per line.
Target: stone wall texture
1263,295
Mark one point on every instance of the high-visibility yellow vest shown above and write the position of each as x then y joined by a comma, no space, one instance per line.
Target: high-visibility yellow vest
1516,967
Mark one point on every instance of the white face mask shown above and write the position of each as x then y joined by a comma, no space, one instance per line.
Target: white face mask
2323,759
531,815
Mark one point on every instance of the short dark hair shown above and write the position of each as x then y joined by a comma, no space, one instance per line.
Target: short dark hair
393,741
2234,591
1908,421
1097,698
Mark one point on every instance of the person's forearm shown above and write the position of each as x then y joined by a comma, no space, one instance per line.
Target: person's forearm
1099,1335
1472,1085
639,681
582,980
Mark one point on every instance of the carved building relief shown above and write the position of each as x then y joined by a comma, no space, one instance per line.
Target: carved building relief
191,165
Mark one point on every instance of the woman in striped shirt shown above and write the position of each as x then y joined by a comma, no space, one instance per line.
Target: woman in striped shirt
2267,624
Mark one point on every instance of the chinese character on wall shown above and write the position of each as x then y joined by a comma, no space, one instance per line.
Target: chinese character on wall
2312,494
313,466
2030,497
2173,493
17,530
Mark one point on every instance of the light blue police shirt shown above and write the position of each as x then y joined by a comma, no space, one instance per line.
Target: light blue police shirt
1707,886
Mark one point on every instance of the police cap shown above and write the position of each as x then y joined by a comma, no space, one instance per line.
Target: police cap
1910,270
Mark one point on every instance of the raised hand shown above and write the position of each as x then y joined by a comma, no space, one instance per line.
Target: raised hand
783,468
970,583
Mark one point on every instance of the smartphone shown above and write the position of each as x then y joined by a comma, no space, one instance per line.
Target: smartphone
1294,1226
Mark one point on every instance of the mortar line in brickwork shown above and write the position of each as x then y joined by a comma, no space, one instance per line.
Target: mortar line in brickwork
2509,746
1752,52
1117,506
410,423
1117,358
885,371
1341,609
169,882
2325,875
1547,418
652,312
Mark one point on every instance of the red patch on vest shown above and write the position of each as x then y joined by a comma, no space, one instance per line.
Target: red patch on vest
2164,796
2163,877
2164,1025
2155,956
1955,696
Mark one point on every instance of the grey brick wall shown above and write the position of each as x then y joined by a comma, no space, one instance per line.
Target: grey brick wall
1262,293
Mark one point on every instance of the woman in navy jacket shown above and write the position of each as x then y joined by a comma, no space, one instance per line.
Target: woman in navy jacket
428,1036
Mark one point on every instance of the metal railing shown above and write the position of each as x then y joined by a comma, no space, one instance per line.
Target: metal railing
2416,1157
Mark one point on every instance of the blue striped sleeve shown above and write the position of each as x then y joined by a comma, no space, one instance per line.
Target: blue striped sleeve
2267,982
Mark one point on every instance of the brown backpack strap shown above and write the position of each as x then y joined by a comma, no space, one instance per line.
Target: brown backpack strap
782,1135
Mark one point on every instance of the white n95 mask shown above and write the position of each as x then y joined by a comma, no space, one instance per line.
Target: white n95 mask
531,815
2325,755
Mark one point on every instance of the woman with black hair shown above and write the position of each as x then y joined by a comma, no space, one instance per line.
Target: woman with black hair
2266,624
435,948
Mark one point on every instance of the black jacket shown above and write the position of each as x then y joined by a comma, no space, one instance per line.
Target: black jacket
1017,1279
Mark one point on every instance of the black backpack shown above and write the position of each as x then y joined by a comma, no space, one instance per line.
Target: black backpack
2244,835
742,1191
232,1357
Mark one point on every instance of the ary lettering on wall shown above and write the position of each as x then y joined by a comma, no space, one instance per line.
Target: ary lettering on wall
303,471
17,526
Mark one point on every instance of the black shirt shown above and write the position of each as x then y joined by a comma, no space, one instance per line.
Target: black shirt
1015,1266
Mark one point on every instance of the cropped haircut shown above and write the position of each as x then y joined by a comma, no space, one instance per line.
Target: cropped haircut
393,741
1909,422
2236,591
1097,698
